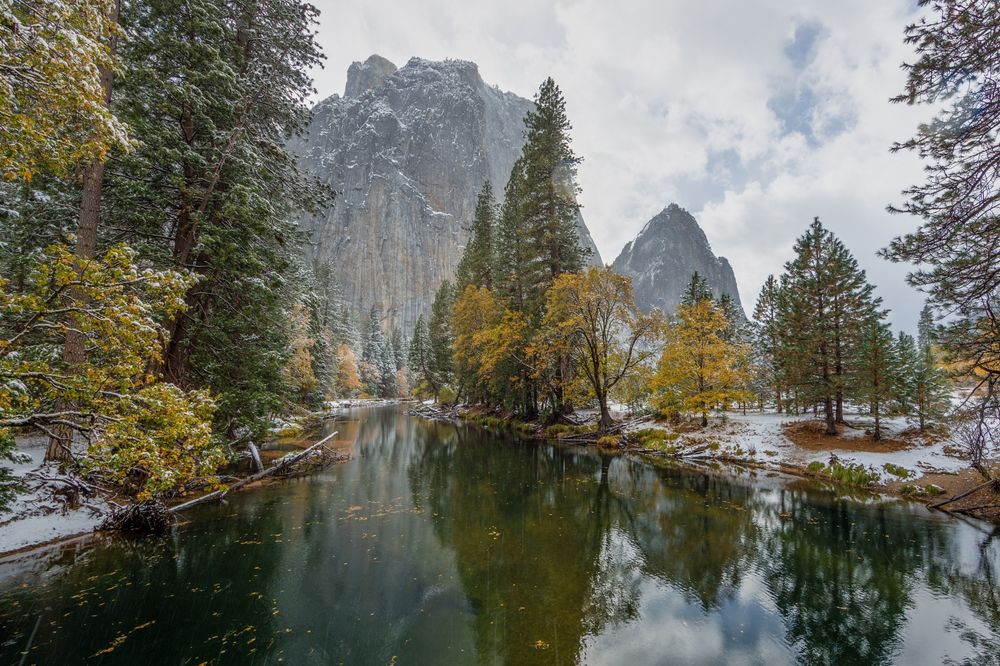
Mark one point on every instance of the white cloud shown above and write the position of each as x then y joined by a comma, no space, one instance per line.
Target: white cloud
755,116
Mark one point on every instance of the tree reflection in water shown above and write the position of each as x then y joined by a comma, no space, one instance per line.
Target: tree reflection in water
440,543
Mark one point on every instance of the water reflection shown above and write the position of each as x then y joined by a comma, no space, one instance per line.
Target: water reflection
443,544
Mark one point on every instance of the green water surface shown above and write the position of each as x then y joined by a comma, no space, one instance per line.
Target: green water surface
443,544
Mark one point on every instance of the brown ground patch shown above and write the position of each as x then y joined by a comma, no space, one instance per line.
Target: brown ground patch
809,436
984,503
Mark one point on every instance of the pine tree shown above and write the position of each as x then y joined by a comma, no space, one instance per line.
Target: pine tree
958,242
877,369
824,299
387,387
478,263
851,304
419,359
549,202
931,384
908,360
696,291
767,339
215,90
398,348
439,336
372,353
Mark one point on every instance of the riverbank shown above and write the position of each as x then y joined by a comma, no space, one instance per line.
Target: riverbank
924,467
55,507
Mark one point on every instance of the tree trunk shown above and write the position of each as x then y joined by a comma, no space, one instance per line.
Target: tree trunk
74,345
878,425
606,420
704,419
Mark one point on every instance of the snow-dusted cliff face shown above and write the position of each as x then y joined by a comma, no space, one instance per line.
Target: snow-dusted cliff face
407,151
663,256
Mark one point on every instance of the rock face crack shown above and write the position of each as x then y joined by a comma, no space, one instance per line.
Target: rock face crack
663,256
407,151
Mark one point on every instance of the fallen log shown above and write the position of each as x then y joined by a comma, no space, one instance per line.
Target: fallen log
938,505
281,465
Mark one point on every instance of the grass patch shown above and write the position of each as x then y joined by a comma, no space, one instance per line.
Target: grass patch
609,441
897,471
851,474
561,430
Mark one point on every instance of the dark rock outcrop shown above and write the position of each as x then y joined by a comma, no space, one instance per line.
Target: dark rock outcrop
662,258
407,151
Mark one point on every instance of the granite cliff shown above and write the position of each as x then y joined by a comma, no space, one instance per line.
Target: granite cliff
663,256
407,151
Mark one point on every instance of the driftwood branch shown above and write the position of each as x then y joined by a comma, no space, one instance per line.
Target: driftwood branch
942,503
282,465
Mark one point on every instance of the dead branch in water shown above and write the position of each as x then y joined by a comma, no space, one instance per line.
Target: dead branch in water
282,465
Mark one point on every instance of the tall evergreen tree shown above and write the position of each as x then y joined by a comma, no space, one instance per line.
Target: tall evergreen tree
550,190
767,339
420,360
478,263
958,242
372,353
439,335
215,90
877,369
806,312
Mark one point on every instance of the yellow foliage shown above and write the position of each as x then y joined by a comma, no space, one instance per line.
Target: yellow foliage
52,111
475,312
152,434
348,381
298,370
592,327
699,371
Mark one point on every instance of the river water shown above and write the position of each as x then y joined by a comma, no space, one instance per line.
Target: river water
442,544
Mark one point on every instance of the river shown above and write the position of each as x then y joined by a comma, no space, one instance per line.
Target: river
443,544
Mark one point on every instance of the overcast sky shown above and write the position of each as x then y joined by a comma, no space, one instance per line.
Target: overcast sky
755,116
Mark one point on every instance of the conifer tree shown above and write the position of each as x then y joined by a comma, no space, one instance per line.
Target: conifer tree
549,202
877,369
908,367
767,339
824,301
851,304
398,348
697,290
419,359
478,263
439,336
372,353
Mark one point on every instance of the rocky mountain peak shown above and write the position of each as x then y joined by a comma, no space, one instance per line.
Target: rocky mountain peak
407,152
363,76
663,256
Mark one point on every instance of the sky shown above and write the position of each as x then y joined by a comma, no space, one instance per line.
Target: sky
755,116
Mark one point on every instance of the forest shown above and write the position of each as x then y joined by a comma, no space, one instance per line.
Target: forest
159,309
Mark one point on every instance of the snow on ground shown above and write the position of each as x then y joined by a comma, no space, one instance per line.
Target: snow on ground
760,437
38,516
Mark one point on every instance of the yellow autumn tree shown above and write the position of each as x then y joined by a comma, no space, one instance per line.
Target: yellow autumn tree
699,370
52,111
592,321
348,383
149,436
475,312
298,370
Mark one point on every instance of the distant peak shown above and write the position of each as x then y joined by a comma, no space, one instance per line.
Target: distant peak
363,76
